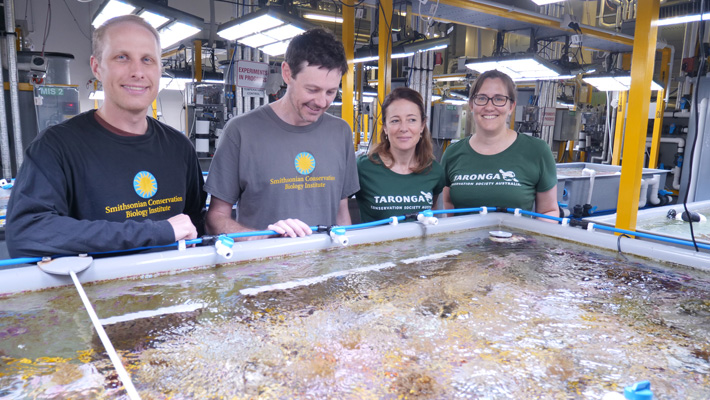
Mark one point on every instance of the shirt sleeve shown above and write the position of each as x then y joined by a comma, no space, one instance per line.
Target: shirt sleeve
195,196
223,180
548,169
38,221
351,184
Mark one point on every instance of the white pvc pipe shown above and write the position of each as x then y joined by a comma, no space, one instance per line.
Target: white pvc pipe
695,151
676,177
115,359
592,173
643,194
653,184
680,142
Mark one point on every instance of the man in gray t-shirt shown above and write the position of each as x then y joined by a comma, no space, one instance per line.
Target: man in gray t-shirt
288,165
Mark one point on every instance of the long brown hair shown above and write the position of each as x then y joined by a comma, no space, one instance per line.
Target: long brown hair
424,152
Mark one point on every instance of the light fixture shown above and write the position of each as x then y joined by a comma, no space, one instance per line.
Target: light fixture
614,82
172,24
267,29
449,77
324,18
96,95
520,67
371,53
683,19
545,2
175,79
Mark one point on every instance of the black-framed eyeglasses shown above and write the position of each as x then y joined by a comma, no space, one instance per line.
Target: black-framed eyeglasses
498,100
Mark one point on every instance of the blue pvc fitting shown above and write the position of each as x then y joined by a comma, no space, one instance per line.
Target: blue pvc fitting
639,391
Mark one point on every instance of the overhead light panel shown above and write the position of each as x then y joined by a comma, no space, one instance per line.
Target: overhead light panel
684,19
545,2
112,8
172,24
155,20
519,67
370,53
267,29
614,82
324,18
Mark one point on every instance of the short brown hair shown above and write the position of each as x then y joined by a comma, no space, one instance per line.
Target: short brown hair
493,74
316,47
99,35
424,152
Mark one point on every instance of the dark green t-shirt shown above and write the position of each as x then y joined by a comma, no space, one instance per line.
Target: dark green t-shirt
384,193
510,178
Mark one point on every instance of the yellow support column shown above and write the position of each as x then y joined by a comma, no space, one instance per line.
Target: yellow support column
384,64
619,129
660,107
346,109
637,122
154,106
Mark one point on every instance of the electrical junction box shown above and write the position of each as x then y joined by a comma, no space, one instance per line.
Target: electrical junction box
567,124
447,121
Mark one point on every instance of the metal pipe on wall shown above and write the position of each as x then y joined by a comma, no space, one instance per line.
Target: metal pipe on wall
4,136
12,77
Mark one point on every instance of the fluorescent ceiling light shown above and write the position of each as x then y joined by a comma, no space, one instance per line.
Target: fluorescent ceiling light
249,27
435,97
544,2
176,32
614,83
155,20
683,19
519,67
96,95
326,18
276,49
267,29
370,53
257,40
168,83
172,24
113,8
457,102
449,77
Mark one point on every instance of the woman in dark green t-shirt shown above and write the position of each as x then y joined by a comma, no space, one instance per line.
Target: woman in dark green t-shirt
497,167
399,175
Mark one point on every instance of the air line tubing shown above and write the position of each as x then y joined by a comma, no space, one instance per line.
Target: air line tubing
30,260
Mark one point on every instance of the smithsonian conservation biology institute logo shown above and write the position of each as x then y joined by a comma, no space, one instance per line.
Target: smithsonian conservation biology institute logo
305,163
145,185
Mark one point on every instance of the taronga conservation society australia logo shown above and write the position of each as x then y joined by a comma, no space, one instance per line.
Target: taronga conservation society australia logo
145,185
305,163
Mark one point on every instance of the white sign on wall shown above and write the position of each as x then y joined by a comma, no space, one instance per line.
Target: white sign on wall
252,74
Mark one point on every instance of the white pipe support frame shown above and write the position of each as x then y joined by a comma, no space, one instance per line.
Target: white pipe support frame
181,245
653,185
223,246
484,210
517,212
590,227
394,221
338,235
564,222
427,217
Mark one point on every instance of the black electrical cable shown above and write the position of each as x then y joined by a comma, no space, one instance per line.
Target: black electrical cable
701,67
47,25
75,21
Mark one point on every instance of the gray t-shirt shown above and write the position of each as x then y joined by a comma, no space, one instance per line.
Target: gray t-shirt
273,170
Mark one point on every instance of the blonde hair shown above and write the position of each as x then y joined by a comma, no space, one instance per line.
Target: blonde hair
99,36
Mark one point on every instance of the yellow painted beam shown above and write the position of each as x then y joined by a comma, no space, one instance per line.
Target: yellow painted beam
536,19
197,60
619,129
660,107
348,79
154,106
384,64
637,122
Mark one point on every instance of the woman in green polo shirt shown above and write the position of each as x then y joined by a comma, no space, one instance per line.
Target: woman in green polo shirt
496,166
399,175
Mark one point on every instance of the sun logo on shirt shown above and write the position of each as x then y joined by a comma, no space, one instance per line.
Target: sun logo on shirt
145,185
305,163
